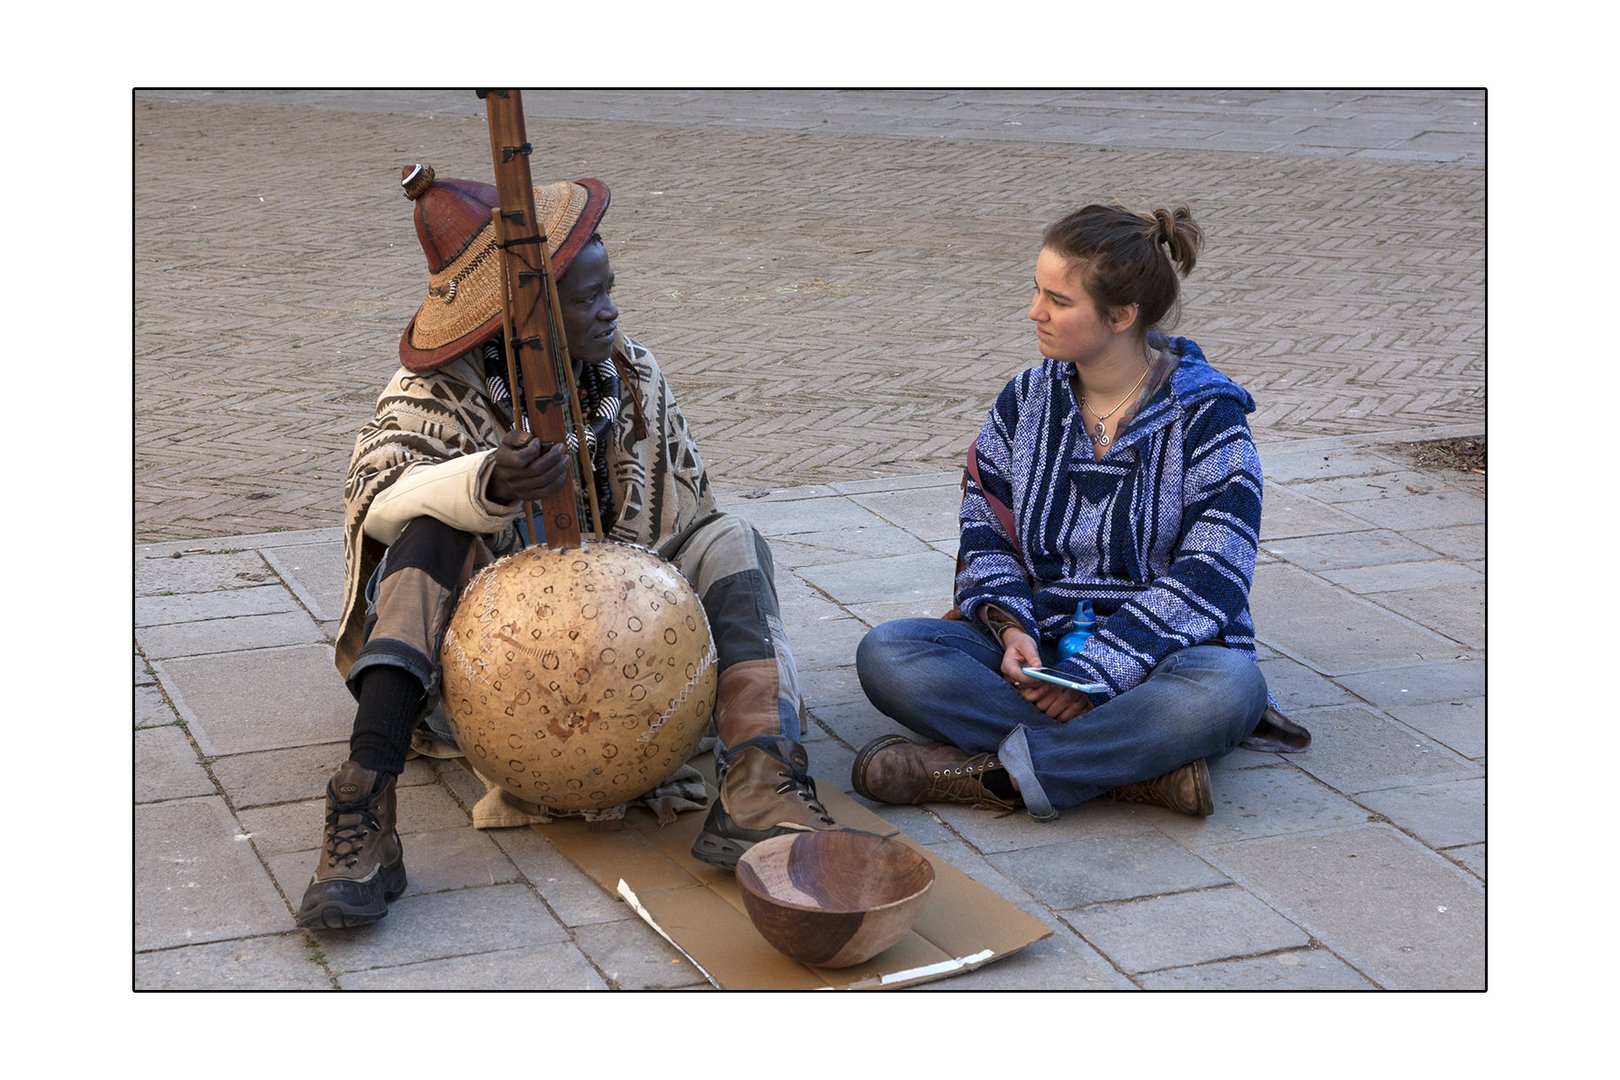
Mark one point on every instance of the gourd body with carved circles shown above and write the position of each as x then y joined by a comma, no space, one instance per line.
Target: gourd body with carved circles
579,678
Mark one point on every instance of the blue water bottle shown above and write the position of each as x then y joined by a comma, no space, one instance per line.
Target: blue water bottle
1075,639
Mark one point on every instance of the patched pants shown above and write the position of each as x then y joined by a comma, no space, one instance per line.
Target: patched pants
412,596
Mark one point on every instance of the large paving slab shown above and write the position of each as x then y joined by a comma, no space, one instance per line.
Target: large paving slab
556,967
1433,510
1303,969
178,570
236,702
1395,911
1115,865
1458,724
840,545
315,573
152,708
1395,577
828,687
437,926
1456,610
830,643
1300,463
287,961
894,579
1394,689
1354,749
197,877
1296,686
1063,961
1470,857
1457,541
632,956
1287,513
232,635
813,515
1272,800
568,891
1336,551
1187,927
218,604
932,513
167,766
1334,631
1444,815
1393,489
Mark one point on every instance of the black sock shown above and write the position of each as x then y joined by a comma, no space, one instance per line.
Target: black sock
390,704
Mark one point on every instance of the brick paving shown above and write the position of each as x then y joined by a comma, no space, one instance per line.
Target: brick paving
836,281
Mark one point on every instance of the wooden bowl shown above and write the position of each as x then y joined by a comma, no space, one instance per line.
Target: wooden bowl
833,899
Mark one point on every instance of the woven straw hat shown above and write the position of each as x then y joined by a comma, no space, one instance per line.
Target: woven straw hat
463,305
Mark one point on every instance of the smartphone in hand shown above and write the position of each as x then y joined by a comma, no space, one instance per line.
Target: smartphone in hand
1062,678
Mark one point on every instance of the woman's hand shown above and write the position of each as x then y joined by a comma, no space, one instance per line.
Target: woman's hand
1058,702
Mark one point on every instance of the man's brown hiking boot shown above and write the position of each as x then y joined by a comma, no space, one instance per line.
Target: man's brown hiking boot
1184,790
765,791
895,770
362,865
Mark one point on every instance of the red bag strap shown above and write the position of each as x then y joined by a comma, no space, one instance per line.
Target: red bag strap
1003,514
997,507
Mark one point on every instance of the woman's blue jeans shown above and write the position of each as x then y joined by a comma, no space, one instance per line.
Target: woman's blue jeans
942,679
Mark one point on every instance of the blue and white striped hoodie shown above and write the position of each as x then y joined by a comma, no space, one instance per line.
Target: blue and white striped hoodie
1160,534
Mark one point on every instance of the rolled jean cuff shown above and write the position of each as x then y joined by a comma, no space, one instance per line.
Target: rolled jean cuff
379,652
1013,753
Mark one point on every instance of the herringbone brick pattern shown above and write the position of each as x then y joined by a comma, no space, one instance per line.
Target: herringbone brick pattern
828,307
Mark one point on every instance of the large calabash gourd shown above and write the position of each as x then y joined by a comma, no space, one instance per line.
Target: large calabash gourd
579,678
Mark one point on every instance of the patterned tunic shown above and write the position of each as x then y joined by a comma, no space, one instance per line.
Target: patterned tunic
659,482
1160,533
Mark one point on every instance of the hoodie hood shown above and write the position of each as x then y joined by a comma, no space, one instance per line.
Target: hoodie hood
1192,379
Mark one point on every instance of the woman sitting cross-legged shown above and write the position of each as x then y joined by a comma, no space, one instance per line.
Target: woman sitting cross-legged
1119,471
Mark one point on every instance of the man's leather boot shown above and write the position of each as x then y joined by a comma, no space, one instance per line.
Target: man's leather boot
895,770
765,791
1184,790
362,865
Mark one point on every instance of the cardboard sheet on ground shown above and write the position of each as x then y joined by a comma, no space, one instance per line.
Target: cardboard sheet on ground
699,908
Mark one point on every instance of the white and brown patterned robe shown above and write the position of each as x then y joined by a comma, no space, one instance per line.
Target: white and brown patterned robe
427,420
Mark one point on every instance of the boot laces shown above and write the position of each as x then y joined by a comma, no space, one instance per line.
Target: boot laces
962,785
346,833
1161,790
805,788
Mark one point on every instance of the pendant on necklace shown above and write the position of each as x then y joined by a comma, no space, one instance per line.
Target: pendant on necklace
1100,438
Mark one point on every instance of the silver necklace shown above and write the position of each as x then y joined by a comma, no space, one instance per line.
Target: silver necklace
1099,437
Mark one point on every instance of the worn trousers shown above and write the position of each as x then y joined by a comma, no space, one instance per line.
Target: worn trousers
942,679
412,597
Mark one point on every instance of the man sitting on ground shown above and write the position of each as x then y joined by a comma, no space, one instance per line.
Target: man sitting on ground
436,489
